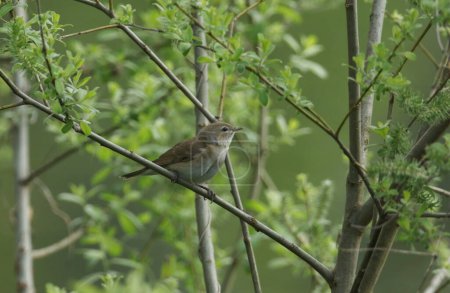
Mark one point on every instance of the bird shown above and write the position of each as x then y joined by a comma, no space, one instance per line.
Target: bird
198,159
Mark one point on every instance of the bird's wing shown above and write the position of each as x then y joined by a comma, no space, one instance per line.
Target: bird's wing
184,151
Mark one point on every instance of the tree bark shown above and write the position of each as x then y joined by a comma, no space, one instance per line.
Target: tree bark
202,207
349,243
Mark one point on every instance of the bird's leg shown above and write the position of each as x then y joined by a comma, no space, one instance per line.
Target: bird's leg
211,193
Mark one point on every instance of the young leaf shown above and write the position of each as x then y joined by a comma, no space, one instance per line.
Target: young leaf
85,127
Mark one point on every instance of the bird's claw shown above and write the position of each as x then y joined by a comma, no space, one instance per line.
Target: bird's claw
211,194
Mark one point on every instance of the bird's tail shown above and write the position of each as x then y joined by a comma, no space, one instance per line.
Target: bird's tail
143,171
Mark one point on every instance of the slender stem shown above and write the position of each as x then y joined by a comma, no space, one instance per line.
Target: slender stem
58,246
223,89
245,232
440,191
347,259
10,106
109,26
257,225
202,208
374,80
88,31
440,280
436,215
24,245
428,55
47,61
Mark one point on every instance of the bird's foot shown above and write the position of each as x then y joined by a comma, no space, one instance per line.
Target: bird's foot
211,194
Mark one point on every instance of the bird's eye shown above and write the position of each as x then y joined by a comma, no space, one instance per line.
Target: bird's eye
224,129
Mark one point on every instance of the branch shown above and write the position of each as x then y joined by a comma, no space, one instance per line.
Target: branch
88,31
230,34
439,190
311,115
374,80
109,26
439,281
347,259
202,209
436,215
73,150
57,246
47,61
259,226
373,263
10,106
245,232
24,245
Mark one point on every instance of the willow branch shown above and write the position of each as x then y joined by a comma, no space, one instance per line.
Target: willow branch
47,61
23,229
347,258
374,80
202,209
249,219
58,246
245,232
436,215
10,106
440,191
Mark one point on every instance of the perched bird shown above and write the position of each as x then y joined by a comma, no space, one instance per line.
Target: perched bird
198,159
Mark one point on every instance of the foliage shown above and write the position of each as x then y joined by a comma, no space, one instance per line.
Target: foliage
309,205
103,86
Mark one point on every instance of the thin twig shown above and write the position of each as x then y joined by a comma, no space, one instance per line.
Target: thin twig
245,232
440,190
372,83
10,106
439,281
311,115
47,61
427,273
88,31
257,225
436,215
428,55
58,246
109,26
223,89
53,203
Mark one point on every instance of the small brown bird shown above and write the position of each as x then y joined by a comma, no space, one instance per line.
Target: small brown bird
197,159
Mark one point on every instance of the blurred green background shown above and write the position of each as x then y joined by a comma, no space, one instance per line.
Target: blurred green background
403,272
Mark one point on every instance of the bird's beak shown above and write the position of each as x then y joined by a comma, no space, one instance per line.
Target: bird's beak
237,129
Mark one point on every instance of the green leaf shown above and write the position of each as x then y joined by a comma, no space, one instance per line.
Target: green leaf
5,9
184,48
67,127
85,127
263,97
205,59
59,86
70,197
409,55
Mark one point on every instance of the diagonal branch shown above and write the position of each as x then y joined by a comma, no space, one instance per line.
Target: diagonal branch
374,80
58,246
249,219
11,106
47,61
310,114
